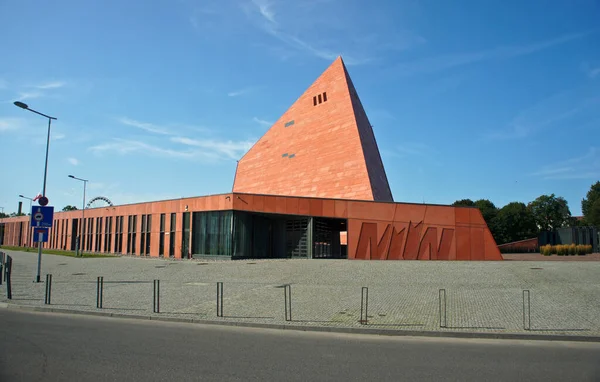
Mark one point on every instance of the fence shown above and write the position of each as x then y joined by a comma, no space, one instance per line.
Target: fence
374,306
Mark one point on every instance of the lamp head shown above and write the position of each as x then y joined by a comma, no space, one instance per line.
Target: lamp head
21,105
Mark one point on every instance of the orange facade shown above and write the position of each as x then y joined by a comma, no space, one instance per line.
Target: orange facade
322,146
318,161
375,230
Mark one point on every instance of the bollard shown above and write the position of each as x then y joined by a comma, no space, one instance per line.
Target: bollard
99,291
364,306
1,267
219,299
526,308
443,323
7,276
156,300
287,297
48,296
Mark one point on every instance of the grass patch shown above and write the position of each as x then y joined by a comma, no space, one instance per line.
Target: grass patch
55,252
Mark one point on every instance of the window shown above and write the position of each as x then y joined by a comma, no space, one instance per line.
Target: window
284,155
319,99
292,156
161,243
290,123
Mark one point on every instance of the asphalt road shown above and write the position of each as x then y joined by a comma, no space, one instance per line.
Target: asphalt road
59,347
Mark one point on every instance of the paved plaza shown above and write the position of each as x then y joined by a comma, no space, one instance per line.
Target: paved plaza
402,295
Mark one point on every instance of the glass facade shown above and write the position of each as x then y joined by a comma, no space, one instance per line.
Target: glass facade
211,234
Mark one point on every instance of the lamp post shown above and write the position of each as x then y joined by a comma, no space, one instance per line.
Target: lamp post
26,107
28,232
78,243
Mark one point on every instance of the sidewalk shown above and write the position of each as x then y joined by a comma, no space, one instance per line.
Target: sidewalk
483,298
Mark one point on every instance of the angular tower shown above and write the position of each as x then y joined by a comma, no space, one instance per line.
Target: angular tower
322,146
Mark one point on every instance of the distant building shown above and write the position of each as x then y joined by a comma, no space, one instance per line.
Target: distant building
313,186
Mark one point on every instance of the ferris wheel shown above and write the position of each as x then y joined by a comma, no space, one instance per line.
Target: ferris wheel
99,201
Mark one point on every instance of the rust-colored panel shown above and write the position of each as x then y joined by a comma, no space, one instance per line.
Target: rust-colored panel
328,208
371,211
413,238
304,206
476,216
316,207
397,241
463,215
430,249
270,205
477,244
439,215
280,205
463,243
341,209
409,213
353,234
492,252
155,240
259,203
291,205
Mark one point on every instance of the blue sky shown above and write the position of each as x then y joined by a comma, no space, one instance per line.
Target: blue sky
157,99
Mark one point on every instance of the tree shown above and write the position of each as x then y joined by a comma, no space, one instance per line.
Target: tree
587,205
550,212
69,208
514,222
593,217
3,215
464,203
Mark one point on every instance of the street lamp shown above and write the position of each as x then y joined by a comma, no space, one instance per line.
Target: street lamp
24,106
28,232
78,241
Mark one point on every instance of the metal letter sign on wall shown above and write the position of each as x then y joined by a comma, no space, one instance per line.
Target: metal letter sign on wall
42,217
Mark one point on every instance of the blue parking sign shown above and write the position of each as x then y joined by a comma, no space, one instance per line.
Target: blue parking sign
42,217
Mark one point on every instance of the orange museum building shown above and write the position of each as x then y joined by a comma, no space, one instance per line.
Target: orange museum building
313,186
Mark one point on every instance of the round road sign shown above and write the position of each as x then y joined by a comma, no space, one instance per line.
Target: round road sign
43,201
38,217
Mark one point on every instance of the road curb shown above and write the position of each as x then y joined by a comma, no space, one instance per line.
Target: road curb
371,331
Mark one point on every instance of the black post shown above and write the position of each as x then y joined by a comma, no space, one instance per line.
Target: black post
7,274
287,296
364,306
156,300
99,291
526,307
48,298
443,323
1,267
219,299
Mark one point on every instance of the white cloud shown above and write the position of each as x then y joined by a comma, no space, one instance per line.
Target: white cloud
229,149
262,122
546,113
211,149
144,126
240,92
11,124
447,61
73,161
50,85
29,95
585,166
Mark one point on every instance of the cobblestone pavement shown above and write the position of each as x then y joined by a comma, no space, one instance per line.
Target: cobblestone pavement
402,295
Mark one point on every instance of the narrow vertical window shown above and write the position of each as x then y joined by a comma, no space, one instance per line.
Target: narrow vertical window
324,97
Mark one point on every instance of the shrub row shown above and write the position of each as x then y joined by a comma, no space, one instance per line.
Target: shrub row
565,250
